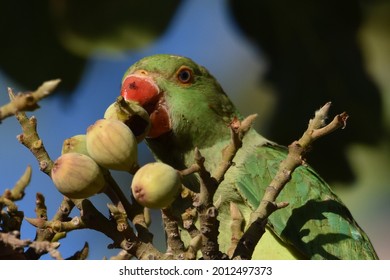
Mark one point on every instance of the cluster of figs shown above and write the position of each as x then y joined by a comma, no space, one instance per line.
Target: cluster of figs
111,143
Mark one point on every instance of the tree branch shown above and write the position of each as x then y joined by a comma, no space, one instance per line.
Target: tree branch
31,140
27,101
295,157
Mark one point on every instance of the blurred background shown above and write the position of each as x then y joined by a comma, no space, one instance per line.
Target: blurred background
281,59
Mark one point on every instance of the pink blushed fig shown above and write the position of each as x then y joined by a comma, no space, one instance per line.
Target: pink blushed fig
156,185
77,176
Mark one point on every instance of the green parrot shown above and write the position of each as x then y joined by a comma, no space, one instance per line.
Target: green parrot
188,108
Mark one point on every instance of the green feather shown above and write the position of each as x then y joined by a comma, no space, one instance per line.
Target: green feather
316,222
315,225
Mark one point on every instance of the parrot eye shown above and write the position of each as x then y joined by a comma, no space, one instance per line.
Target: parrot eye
184,75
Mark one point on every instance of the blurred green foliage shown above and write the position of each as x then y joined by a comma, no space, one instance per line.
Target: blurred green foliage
48,39
314,56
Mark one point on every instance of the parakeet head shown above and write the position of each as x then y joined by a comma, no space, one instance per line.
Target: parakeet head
184,101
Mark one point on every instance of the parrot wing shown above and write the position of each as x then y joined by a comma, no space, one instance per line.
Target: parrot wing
316,222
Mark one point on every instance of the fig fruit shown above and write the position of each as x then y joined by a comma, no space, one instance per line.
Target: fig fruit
77,176
156,185
75,144
132,115
112,145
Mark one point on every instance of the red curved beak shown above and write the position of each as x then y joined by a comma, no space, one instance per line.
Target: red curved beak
142,89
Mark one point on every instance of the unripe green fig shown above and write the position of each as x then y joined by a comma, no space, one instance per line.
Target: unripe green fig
156,185
75,144
131,114
77,176
112,145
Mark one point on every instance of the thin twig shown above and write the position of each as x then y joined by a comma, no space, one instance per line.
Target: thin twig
207,211
27,101
236,228
295,158
175,245
17,192
31,140
238,130
188,219
44,247
11,246
81,254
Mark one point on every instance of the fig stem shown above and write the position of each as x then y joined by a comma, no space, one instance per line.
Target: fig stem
134,212
116,195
